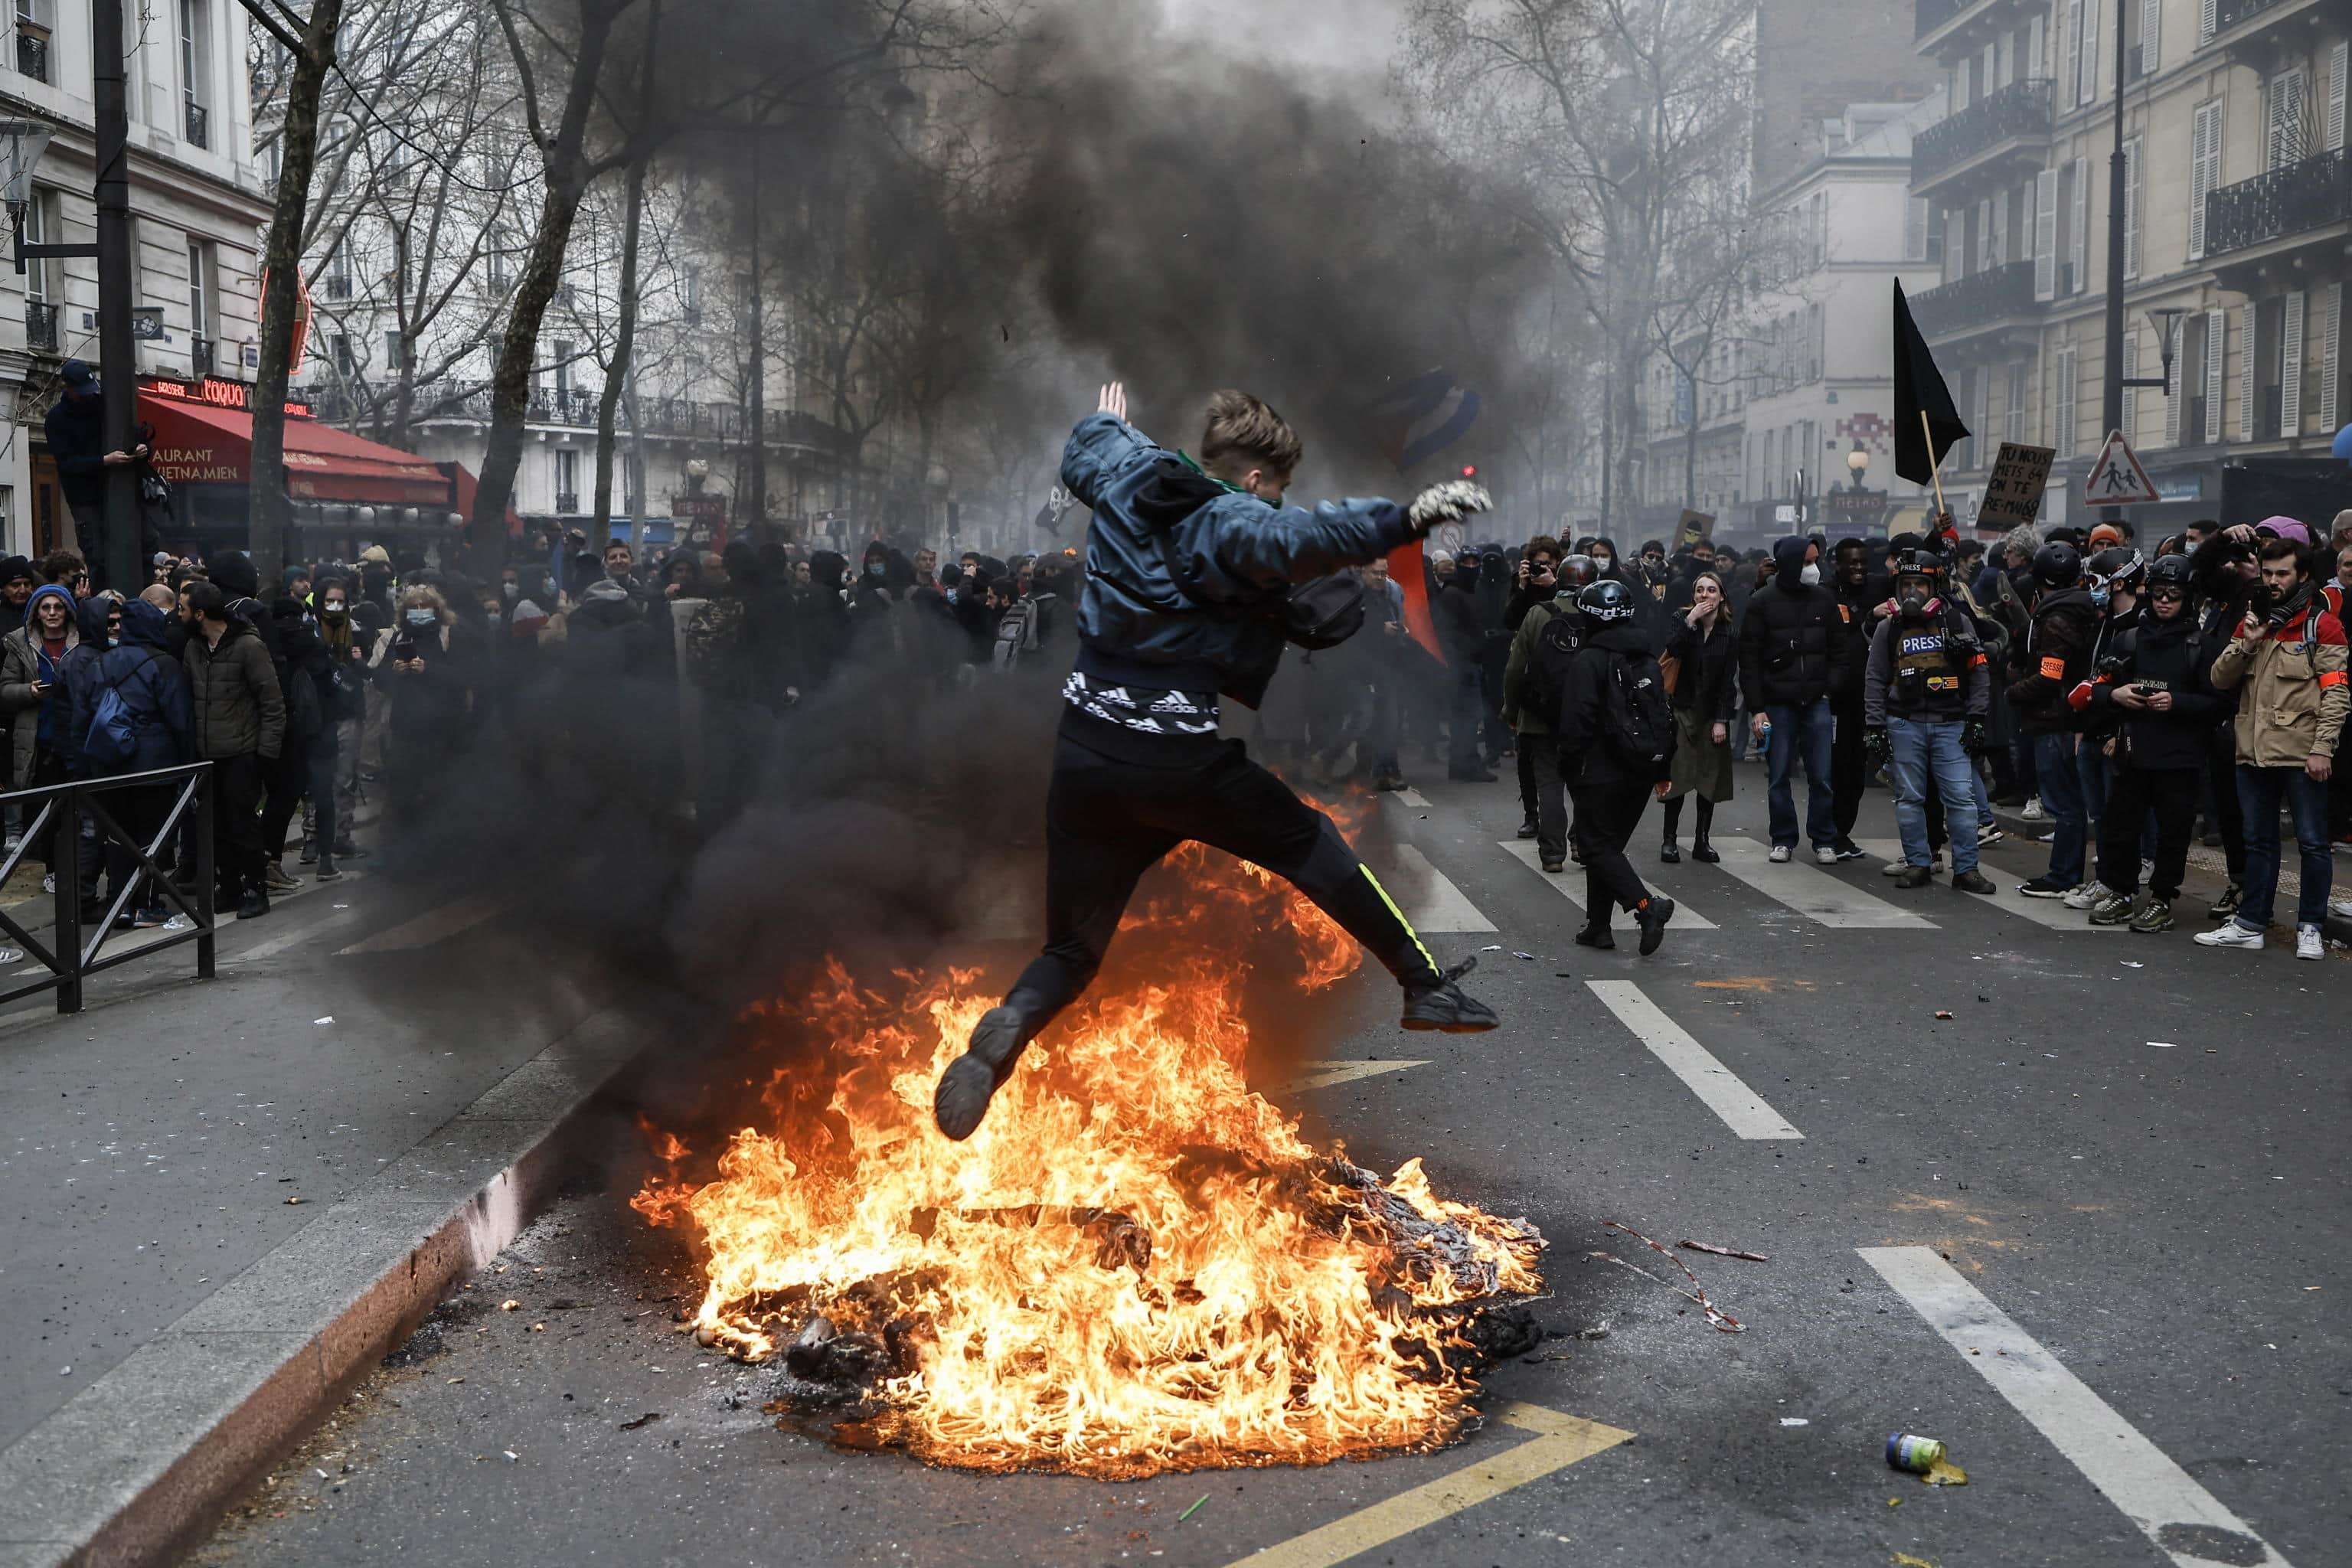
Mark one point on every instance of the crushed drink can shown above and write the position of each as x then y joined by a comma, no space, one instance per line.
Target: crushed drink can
1916,1454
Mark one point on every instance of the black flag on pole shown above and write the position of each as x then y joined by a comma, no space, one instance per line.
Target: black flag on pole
1919,389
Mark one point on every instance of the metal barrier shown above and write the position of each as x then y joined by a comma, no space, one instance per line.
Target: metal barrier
62,808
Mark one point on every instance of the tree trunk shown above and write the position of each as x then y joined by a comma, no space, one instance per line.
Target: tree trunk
563,155
282,255
623,346
624,340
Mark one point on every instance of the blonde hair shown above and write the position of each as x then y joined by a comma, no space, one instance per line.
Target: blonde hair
1243,433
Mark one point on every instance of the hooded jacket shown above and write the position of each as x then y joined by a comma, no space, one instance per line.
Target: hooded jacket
237,705
1587,757
2172,654
1239,554
2059,653
2293,692
23,663
1794,648
150,683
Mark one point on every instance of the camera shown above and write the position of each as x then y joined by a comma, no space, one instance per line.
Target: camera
403,646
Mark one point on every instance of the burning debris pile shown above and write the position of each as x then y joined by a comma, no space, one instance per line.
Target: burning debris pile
1136,1265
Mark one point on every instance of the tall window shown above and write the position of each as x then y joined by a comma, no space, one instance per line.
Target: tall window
34,20
563,370
567,479
201,283
196,71
42,227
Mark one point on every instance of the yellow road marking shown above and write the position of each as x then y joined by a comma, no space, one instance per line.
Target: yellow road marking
1561,1441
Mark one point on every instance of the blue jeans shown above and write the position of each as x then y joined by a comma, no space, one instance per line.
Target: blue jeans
2062,796
2259,790
1793,727
1465,709
1984,797
2091,766
1933,746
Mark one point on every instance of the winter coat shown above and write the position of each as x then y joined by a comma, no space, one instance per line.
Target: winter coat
22,663
432,709
150,683
233,689
77,678
1709,681
2173,653
2295,693
1794,645
1855,602
1522,719
2060,649
1239,552
1461,622
1950,678
1588,756
76,432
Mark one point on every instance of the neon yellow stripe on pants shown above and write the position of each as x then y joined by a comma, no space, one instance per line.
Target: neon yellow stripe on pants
1426,956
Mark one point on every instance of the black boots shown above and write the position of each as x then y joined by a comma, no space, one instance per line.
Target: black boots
1446,1006
971,1079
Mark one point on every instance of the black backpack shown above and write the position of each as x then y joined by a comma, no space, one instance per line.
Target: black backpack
1639,720
1543,680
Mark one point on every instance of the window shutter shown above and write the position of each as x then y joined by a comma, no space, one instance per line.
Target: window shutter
2205,9
2045,235
2007,58
2286,127
2204,129
2000,254
2336,68
2069,400
1914,229
2291,368
2217,343
2246,340
2086,89
2331,338
2081,246
2131,207
2151,18
2070,63
1984,233
2131,393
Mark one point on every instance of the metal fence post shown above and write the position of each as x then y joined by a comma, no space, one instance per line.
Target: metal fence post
203,806
65,871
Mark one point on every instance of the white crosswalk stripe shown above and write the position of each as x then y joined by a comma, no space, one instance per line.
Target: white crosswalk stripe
1810,891
1570,884
1742,1109
1428,897
2187,1522
2051,912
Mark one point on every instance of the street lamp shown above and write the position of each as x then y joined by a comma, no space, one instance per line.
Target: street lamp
1857,462
25,141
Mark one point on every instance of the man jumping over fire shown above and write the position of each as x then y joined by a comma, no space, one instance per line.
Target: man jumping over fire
1190,568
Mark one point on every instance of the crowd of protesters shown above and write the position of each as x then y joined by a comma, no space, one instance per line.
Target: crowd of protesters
2132,702
2132,697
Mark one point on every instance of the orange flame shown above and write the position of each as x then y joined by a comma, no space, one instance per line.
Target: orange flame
1136,1264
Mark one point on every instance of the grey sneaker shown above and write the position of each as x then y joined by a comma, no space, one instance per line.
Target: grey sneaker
2113,910
2089,896
2152,916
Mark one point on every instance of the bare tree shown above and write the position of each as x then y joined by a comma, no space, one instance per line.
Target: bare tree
1618,113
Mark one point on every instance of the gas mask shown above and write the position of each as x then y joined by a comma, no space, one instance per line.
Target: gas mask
1917,597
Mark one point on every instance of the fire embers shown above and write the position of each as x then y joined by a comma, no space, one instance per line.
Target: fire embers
1136,1265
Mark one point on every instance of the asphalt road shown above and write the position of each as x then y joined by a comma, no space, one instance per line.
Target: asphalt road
2114,1178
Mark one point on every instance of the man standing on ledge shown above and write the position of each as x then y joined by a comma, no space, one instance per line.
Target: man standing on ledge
1187,567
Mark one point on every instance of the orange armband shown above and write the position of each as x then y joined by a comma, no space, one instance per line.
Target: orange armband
2333,677
2053,669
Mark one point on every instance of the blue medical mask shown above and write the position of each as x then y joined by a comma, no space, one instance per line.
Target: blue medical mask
2099,594
419,617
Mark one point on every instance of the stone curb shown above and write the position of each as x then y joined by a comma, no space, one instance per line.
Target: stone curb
148,1456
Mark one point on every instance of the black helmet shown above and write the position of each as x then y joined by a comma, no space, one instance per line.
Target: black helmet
1572,573
2172,571
1920,564
1604,601
2057,566
2117,567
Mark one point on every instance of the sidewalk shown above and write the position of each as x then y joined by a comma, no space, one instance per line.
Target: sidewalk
367,1047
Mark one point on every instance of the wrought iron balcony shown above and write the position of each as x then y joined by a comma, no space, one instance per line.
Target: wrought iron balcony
2021,109
33,51
1975,301
2228,14
199,124
2291,199
567,500
40,326
200,354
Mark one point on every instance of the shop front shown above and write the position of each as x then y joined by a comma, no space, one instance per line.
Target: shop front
344,491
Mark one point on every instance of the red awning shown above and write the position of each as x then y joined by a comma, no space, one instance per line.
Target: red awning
198,444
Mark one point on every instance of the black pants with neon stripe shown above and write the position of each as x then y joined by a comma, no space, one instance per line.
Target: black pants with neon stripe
1107,821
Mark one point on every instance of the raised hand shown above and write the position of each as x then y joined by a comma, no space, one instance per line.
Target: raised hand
1114,400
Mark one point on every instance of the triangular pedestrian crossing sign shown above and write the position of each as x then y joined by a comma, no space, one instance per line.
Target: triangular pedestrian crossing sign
2117,479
